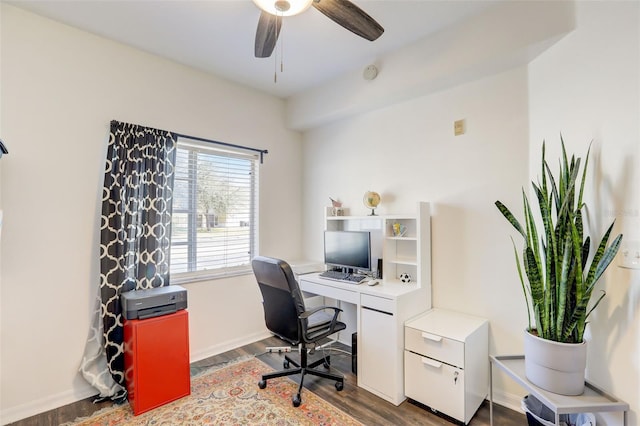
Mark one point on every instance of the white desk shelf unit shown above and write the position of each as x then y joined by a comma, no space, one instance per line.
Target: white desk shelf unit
405,253
378,313
409,253
593,400
445,362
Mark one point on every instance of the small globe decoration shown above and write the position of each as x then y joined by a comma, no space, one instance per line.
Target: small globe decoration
405,278
371,200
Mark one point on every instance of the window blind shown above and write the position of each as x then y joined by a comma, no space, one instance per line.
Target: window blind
214,218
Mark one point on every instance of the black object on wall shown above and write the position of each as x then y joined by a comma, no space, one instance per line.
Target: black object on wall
3,149
354,353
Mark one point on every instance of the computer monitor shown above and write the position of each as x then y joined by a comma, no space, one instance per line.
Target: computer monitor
348,249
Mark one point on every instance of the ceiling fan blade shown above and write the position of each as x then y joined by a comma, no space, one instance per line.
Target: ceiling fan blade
267,34
351,17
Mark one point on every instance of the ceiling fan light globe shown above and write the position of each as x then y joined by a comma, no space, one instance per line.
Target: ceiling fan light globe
276,7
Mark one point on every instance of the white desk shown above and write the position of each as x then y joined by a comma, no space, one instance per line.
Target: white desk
377,314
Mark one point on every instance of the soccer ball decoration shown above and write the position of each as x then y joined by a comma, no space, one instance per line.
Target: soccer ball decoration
405,278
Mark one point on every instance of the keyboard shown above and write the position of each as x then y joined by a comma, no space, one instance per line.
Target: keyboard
343,276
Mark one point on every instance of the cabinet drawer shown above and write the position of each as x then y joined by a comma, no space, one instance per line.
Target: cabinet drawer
350,296
434,346
378,303
435,384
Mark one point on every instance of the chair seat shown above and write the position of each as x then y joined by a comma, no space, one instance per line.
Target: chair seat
319,319
320,332
287,317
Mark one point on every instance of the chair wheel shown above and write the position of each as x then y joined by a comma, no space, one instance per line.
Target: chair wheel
285,364
262,384
339,386
296,400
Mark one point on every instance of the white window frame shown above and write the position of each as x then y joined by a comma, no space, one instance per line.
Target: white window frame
227,271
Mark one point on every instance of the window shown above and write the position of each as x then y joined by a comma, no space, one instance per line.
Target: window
214,221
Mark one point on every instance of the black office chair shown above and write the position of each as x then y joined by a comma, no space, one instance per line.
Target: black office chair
286,316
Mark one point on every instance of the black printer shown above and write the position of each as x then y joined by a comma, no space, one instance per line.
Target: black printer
153,302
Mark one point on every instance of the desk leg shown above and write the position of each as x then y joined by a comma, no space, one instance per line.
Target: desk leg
490,393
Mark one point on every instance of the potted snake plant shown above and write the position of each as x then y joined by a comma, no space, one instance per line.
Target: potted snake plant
559,276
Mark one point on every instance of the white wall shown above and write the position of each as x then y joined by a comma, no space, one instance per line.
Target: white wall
587,86
508,34
60,89
54,78
408,153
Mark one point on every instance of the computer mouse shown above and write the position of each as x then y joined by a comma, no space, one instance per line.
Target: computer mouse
373,282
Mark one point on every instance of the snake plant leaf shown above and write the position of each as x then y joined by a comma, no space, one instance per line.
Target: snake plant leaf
511,218
586,248
574,331
532,232
552,182
584,176
603,293
603,256
569,191
524,286
582,293
563,287
533,270
609,254
579,226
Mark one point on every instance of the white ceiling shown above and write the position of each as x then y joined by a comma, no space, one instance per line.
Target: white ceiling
217,36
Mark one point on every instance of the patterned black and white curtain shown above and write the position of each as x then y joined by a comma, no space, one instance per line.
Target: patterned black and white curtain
135,241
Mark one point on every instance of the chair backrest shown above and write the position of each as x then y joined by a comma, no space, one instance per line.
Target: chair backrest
281,297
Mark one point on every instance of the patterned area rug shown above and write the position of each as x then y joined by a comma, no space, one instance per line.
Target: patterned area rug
230,396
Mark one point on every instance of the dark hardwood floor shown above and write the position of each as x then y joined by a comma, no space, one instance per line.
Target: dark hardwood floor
359,403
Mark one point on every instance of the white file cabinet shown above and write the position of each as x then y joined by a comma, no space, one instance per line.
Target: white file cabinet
446,362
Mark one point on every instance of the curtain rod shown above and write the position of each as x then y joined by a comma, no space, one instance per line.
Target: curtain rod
260,151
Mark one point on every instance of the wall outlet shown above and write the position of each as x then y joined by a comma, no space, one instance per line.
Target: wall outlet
458,127
630,255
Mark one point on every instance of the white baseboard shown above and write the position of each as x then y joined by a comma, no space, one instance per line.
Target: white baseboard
70,396
509,400
228,345
50,402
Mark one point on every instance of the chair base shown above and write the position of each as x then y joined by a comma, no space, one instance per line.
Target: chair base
303,369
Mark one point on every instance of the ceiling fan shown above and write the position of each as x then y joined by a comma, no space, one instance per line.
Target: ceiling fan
342,12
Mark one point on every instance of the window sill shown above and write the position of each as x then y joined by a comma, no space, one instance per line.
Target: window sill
193,277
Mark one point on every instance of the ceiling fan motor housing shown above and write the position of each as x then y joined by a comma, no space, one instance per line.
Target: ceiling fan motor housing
282,5
343,12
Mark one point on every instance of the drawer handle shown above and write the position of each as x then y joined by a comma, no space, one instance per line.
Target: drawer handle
433,337
431,363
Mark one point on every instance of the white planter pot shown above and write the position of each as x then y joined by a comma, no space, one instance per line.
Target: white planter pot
553,366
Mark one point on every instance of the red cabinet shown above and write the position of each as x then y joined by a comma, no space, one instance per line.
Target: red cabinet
157,360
